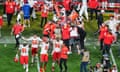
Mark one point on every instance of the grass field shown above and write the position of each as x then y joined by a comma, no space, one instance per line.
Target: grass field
8,53
8,65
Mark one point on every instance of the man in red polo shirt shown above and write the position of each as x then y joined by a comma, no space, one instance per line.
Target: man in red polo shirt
93,4
103,31
66,4
9,9
108,40
63,57
17,29
66,34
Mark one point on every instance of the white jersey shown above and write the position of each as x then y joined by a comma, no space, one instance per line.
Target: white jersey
44,48
24,50
73,32
57,45
31,3
35,41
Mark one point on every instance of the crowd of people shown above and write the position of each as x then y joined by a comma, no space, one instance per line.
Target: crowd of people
64,32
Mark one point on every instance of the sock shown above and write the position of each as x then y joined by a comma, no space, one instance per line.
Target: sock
23,66
53,66
26,67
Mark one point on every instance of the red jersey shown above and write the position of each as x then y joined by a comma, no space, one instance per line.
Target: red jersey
93,4
1,21
44,11
103,30
65,33
52,28
108,38
64,52
17,29
66,4
10,7
46,29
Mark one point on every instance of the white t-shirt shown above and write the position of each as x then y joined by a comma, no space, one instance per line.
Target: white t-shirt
73,32
24,50
44,48
35,41
57,45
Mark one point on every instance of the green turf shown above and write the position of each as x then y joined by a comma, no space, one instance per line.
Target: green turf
8,65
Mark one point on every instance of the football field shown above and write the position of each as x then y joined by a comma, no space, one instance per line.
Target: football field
8,52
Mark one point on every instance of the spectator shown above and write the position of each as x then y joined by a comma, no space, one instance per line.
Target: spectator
114,68
9,9
85,60
98,68
106,63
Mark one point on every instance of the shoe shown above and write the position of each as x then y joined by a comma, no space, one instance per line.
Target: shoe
27,70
